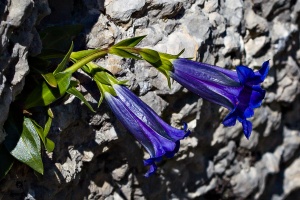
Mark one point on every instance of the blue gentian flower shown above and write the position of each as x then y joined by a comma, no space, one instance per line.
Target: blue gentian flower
239,91
157,137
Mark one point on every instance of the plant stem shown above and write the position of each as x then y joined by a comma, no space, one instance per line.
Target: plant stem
86,60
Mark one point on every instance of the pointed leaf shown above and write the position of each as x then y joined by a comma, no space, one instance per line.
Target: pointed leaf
50,113
130,42
150,55
61,66
6,161
49,144
63,81
44,95
96,72
74,83
24,146
170,56
101,94
101,77
50,79
47,126
77,94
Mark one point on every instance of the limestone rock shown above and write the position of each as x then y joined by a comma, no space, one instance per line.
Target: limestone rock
122,10
255,23
97,158
18,35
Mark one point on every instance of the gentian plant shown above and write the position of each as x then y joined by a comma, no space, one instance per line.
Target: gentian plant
239,91
49,82
157,137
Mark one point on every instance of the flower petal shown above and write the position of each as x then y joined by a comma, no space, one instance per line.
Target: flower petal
156,136
239,91
152,170
205,90
244,73
230,119
247,128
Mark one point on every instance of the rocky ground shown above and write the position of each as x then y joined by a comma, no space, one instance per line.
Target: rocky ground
96,158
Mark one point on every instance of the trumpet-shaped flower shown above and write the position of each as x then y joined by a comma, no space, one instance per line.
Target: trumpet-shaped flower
156,136
239,91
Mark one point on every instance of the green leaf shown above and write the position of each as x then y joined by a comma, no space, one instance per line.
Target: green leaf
50,113
123,53
25,144
82,62
170,56
97,73
130,42
150,55
61,66
63,81
76,93
44,95
101,94
47,126
101,77
50,79
7,161
49,144
74,83
77,55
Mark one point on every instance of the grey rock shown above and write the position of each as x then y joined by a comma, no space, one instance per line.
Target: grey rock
164,8
155,102
211,6
232,41
122,10
291,143
103,33
73,165
218,22
21,11
255,23
95,156
17,33
119,173
254,46
154,34
251,143
269,7
193,24
187,42
296,11
291,177
233,10
245,182
280,33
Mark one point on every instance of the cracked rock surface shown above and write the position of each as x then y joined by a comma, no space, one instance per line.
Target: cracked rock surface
96,158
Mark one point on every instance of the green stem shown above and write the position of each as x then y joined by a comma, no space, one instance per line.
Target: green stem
135,50
86,60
